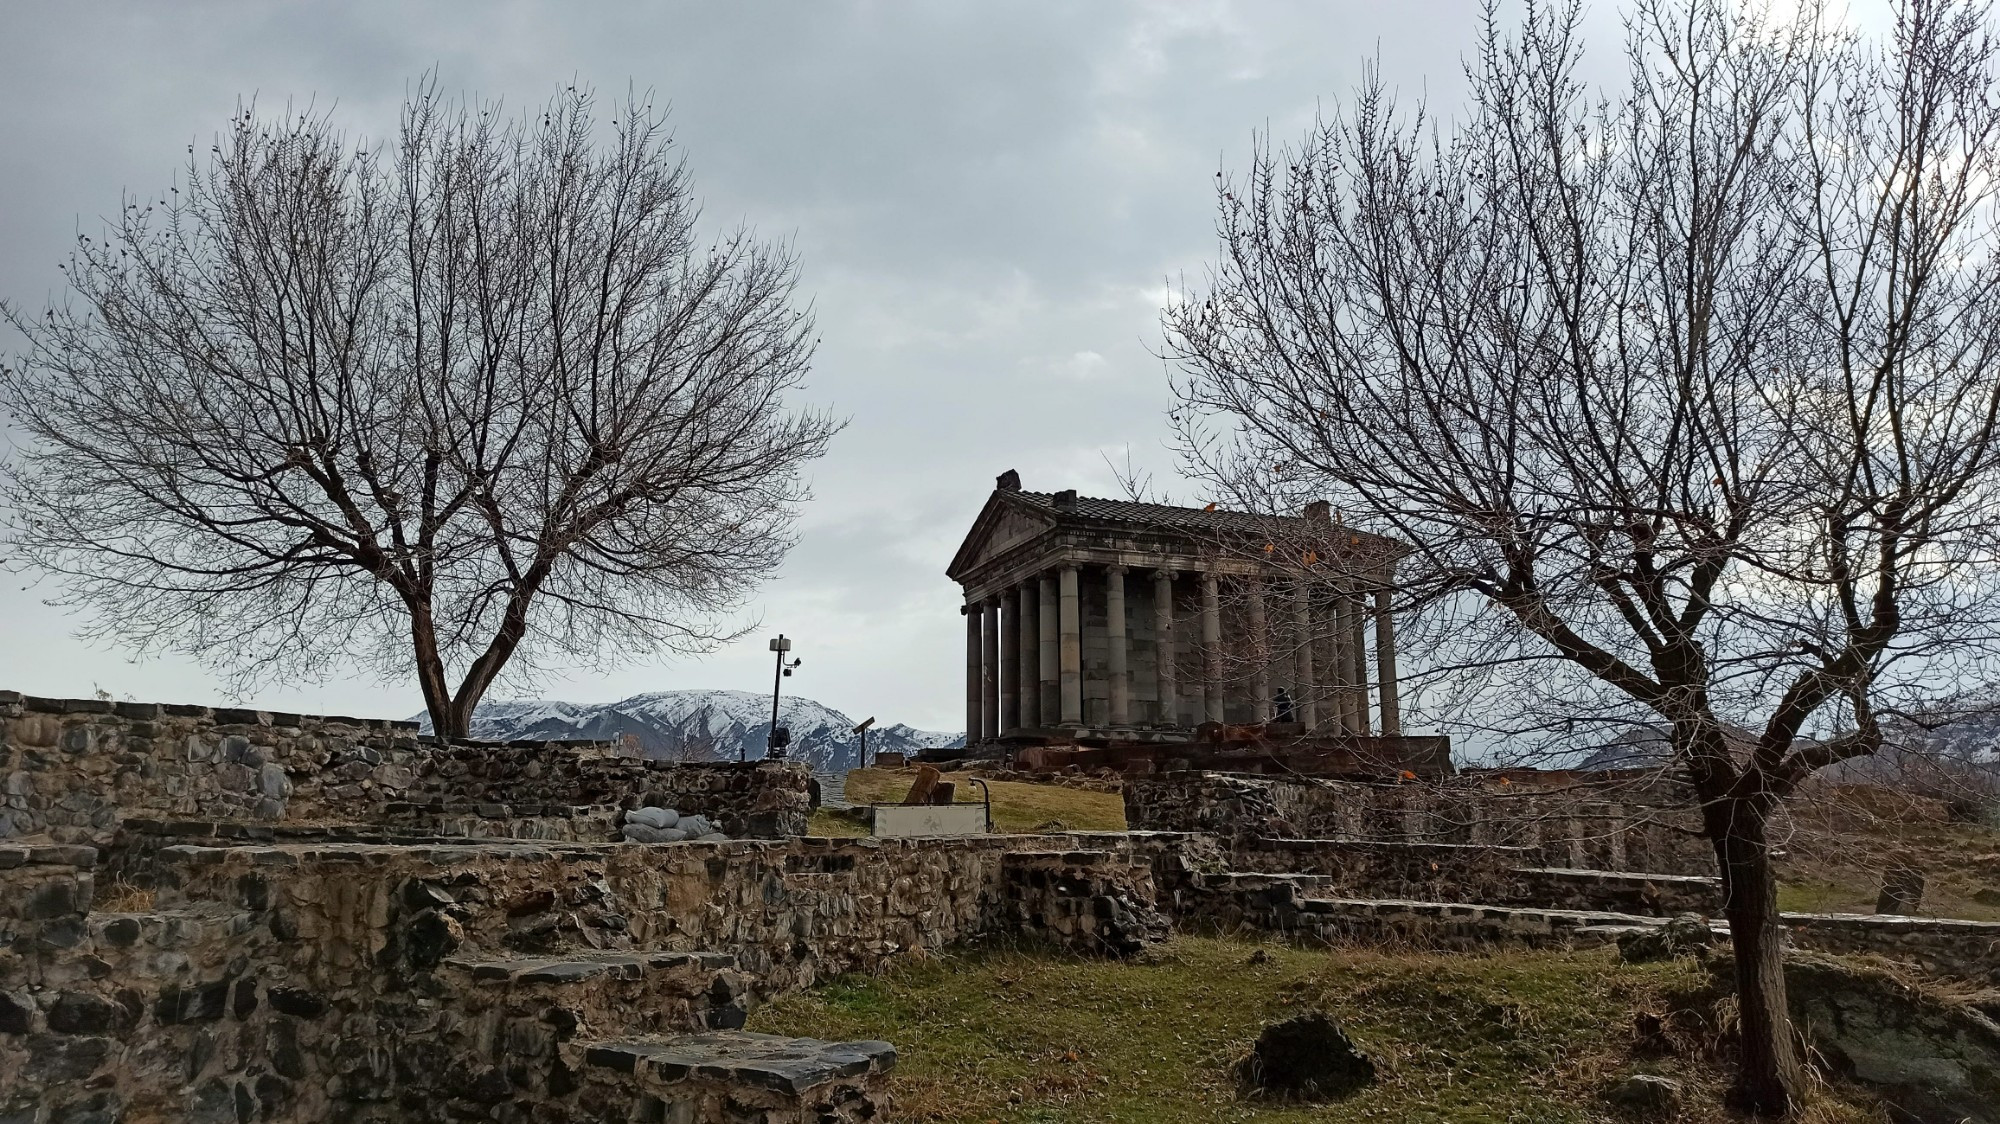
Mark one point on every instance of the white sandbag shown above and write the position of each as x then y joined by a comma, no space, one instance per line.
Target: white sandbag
672,835
652,817
641,833
696,826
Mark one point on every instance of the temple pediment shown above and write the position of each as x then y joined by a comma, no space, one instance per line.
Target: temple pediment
1001,526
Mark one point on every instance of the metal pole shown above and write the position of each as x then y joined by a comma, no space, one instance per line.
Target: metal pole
777,681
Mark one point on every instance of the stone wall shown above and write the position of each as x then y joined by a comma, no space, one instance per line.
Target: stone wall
755,799
1575,829
72,769
1095,902
791,912
1967,950
384,983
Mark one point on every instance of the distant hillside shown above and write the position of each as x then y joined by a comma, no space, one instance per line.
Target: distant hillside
702,726
1961,756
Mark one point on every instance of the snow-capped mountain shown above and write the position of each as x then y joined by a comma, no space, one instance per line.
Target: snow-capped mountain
701,726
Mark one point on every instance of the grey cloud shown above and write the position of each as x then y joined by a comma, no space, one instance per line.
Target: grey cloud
980,194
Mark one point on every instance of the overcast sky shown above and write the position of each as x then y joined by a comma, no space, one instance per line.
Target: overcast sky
989,200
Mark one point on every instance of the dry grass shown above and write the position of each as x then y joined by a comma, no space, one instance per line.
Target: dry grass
1845,837
1018,806
1022,1036
121,897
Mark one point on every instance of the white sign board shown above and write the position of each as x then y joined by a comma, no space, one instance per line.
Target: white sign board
899,821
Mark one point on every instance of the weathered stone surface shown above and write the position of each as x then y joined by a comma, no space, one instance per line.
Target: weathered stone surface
17,1014
734,1077
1648,1096
1686,935
1935,1056
1633,830
1307,1057
83,1013
298,1002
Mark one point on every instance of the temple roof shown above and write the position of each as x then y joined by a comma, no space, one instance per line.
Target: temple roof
1012,516
1151,514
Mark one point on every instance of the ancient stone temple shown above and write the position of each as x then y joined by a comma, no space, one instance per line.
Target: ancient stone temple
1110,620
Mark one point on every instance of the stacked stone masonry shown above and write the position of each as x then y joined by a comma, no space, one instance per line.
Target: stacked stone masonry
1572,830
402,931
75,769
487,980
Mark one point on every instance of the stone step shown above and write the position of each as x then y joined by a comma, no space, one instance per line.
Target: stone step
1604,891
1456,923
1067,858
588,965
737,1077
1258,880
608,993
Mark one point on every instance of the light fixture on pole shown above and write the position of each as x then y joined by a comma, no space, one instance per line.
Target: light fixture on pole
780,738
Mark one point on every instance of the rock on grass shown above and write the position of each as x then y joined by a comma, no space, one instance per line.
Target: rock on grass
1307,1057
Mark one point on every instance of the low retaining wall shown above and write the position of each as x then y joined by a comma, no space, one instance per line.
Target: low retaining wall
1312,907
1968,950
791,912
1464,872
382,984
755,799
1579,830
73,769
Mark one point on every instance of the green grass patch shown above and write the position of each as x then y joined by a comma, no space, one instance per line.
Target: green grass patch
1024,1036
1017,806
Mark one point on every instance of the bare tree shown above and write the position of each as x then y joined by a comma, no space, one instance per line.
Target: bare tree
477,402
1683,397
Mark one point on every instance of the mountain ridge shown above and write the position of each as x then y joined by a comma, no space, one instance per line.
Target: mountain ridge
700,725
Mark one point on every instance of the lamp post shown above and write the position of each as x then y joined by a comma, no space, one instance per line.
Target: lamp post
863,731
780,738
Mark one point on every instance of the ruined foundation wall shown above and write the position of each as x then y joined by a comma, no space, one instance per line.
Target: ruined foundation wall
1577,830
375,983
72,770
755,799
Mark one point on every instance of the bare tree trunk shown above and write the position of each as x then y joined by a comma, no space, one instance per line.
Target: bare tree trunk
1769,1077
430,673
480,676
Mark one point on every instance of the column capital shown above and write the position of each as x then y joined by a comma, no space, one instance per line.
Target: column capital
1117,568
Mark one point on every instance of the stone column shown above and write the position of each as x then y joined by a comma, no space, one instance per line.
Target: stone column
1385,665
991,677
1009,610
974,691
1071,629
1343,661
1211,647
1302,672
1027,646
1357,654
1163,636
1050,649
1260,654
1118,645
